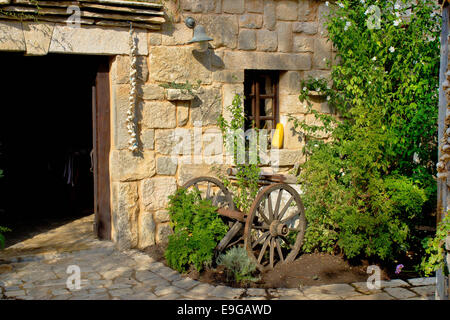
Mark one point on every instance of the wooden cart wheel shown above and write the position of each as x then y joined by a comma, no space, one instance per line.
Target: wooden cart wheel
212,189
275,226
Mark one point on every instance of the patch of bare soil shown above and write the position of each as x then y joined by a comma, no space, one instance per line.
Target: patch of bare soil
307,270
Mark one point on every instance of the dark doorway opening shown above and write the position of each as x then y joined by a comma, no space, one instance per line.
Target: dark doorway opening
46,141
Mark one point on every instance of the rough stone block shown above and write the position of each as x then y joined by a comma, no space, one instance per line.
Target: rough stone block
179,64
223,29
95,40
290,82
151,91
323,12
166,165
229,76
293,137
256,6
174,142
159,114
120,72
162,216
154,39
284,157
175,34
179,95
146,230
284,30
190,171
247,40
212,141
322,53
287,10
207,106
305,27
265,60
270,18
251,21
306,10
148,139
15,41
267,40
163,231
125,211
156,190
303,44
182,113
233,6
290,104
126,166
37,37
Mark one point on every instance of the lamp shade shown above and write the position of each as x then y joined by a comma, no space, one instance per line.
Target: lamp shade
200,35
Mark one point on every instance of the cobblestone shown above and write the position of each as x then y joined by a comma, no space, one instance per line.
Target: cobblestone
108,274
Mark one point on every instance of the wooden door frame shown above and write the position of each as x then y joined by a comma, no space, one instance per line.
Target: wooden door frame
101,119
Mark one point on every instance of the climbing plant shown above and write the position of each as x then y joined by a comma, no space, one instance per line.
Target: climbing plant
369,178
246,186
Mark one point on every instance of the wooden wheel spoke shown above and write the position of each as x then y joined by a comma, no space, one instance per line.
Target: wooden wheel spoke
280,253
272,252
277,205
208,191
269,204
297,214
263,216
280,216
215,198
260,239
263,249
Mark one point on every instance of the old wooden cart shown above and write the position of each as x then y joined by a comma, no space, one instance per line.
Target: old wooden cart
274,227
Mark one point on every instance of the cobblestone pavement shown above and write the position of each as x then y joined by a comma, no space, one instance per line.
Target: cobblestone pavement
28,273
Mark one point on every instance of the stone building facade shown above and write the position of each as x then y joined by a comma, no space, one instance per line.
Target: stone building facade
286,36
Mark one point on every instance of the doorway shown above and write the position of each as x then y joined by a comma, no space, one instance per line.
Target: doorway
54,142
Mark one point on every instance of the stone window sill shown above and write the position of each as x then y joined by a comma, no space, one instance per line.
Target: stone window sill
179,95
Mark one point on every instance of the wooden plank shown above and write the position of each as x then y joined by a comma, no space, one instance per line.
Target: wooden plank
63,12
103,141
127,3
120,24
122,9
47,3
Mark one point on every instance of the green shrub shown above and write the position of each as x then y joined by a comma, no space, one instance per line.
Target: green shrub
197,230
435,249
238,264
367,186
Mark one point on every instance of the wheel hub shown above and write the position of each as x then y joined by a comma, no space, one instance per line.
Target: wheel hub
278,229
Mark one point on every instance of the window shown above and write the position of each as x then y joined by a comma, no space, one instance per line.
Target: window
261,99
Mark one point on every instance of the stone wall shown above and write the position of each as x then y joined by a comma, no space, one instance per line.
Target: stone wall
288,36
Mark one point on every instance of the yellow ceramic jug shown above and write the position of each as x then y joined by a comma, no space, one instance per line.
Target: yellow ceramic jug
277,140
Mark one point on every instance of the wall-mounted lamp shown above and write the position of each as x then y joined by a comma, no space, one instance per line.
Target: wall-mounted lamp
200,37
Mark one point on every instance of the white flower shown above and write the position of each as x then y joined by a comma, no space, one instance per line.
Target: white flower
396,6
370,82
432,14
374,59
304,89
362,1
391,49
341,5
397,14
327,3
397,22
328,98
